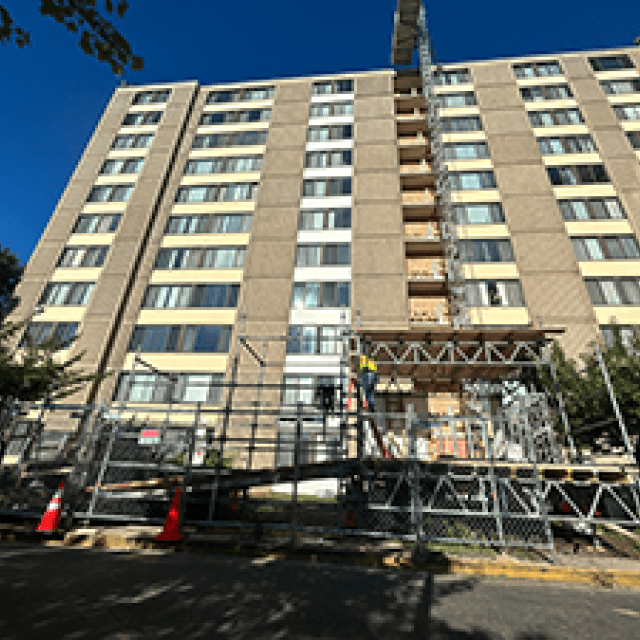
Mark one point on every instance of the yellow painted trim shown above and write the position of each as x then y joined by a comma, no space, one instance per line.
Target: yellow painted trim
604,268
546,105
205,239
561,159
502,315
231,127
537,82
104,207
154,106
90,239
187,316
589,227
571,192
482,231
624,98
128,178
491,271
616,74
630,125
623,315
464,136
73,274
127,153
468,110
568,130
476,195
252,150
61,314
454,88
221,178
237,106
184,209
142,128
470,165
189,362
182,276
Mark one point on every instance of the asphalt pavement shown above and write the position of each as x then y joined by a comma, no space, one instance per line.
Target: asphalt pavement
72,594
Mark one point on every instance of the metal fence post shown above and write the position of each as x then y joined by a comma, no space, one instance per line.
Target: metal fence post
563,412
296,472
103,468
186,476
489,454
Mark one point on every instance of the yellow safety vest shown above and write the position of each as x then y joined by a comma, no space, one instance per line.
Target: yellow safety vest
367,363
372,365
363,362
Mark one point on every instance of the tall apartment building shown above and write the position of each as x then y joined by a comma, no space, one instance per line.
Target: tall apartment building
303,200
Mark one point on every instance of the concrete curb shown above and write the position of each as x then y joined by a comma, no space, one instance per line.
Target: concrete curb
399,559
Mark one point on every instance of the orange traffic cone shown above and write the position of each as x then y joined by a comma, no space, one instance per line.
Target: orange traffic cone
171,530
51,518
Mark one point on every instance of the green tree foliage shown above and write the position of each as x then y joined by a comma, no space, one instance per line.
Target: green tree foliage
98,36
10,274
584,391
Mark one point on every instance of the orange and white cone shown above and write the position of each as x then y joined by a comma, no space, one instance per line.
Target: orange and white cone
171,530
51,518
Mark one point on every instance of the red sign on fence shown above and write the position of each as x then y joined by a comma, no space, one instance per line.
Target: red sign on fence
449,449
149,436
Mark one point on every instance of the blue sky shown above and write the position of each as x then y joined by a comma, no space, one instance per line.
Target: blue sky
53,94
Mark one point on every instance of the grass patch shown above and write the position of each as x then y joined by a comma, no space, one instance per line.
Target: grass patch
460,549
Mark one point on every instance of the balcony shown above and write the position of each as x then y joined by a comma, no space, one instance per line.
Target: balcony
413,139
422,230
422,269
433,311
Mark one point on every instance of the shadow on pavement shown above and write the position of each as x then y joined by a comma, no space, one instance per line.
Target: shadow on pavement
70,594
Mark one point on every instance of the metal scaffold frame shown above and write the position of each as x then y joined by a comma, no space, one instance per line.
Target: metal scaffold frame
455,273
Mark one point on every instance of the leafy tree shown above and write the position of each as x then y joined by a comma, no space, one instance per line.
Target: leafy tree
585,394
98,36
10,274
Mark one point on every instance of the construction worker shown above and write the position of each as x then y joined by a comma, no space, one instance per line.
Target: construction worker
368,380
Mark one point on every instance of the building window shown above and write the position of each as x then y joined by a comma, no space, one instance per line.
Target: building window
83,256
302,389
39,332
182,339
494,293
225,117
469,123
466,151
241,95
463,180
592,209
141,117
201,258
614,291
321,219
567,144
207,223
486,251
634,139
331,187
239,139
628,111
223,165
547,92
314,340
151,97
332,86
478,213
110,193
218,192
628,334
613,87
537,69
123,165
140,141
150,387
330,109
555,117
611,63
335,132
453,76
98,223
451,100
67,294
606,248
317,255
324,159
313,295
213,296
580,174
